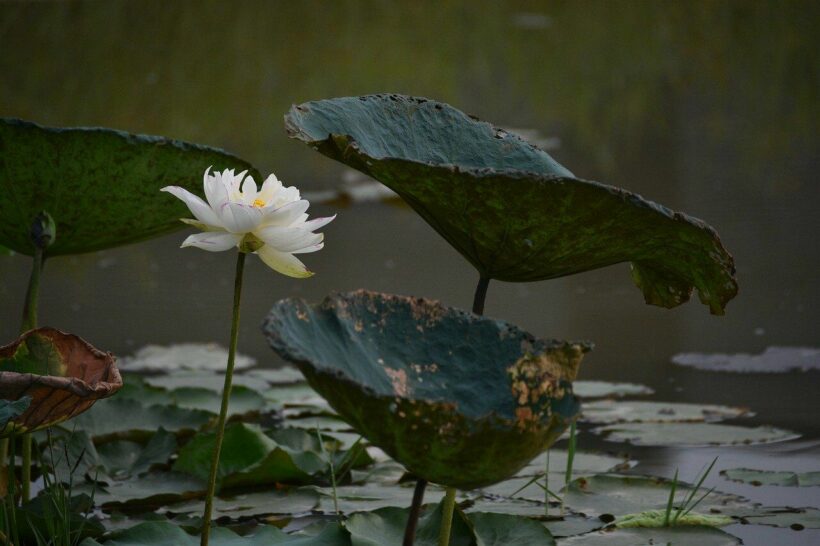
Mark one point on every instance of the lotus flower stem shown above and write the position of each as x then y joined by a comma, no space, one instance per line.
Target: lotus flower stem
226,395
447,517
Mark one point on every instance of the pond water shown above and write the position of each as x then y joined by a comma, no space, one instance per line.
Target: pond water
708,108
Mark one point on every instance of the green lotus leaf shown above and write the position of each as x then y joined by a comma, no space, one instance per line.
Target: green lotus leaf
446,393
771,477
101,186
251,457
702,536
163,533
61,373
508,207
127,419
610,411
692,434
619,495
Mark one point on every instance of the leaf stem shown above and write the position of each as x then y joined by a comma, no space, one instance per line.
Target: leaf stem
29,322
447,517
480,295
415,510
226,395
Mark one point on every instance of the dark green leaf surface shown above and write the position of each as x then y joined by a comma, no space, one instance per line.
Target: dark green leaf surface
101,186
508,207
9,409
250,457
444,392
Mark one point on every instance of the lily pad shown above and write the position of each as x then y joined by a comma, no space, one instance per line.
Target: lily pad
795,518
10,409
770,477
370,496
608,411
286,375
258,503
692,434
509,208
185,356
161,533
702,536
606,389
772,360
128,419
204,380
62,374
251,457
444,392
243,400
68,171
149,491
385,526
619,495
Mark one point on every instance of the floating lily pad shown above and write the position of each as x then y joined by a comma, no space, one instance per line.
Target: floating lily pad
605,389
658,518
286,375
795,518
243,400
608,411
204,380
149,491
702,536
251,457
62,374
508,207
370,496
770,477
619,495
10,409
128,419
444,392
67,171
161,533
772,360
583,462
185,356
385,526
692,434
258,503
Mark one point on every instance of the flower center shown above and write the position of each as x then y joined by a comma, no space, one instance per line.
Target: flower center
258,203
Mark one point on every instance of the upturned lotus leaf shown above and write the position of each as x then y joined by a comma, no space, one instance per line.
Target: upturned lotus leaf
62,373
508,207
101,186
461,400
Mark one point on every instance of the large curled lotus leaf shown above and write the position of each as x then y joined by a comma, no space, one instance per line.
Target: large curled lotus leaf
508,207
460,400
63,375
101,186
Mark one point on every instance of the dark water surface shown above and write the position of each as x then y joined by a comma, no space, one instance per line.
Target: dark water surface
706,107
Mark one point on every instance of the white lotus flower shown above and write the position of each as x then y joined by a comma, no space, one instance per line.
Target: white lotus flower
271,221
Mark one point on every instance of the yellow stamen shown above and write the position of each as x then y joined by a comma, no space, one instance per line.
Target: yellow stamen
258,203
